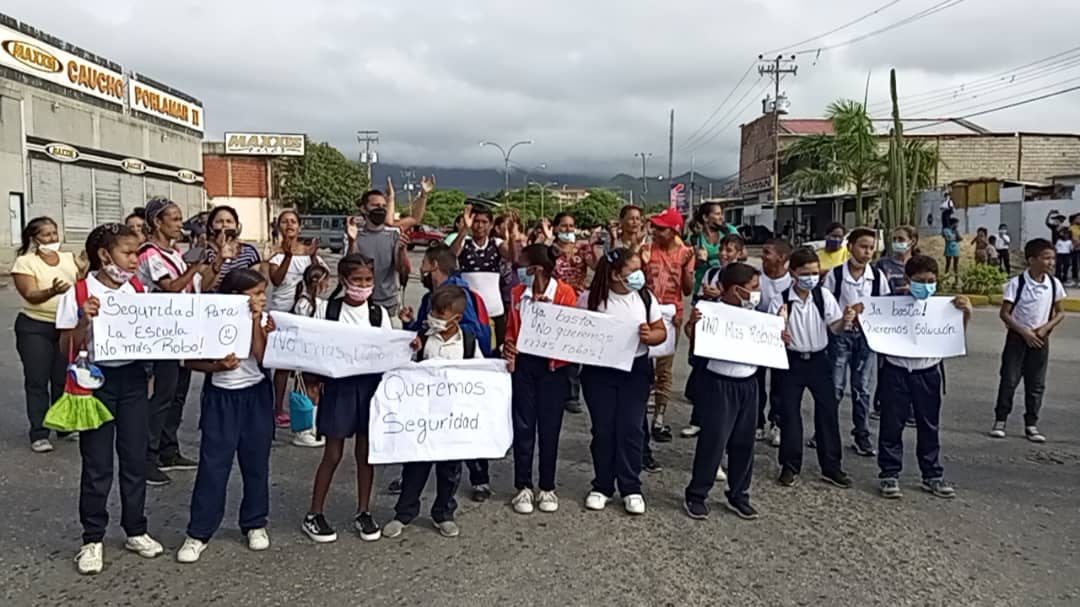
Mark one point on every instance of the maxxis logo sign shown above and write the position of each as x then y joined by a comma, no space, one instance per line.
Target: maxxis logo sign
62,152
33,57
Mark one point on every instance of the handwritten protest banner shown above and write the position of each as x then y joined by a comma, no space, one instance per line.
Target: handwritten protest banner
912,328
486,284
172,326
740,336
441,410
667,313
334,349
577,336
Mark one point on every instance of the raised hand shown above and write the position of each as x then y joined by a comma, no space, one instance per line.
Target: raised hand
91,307
406,315
467,217
59,285
390,195
427,184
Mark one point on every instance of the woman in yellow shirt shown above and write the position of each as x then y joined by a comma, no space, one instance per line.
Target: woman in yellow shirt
834,253
41,273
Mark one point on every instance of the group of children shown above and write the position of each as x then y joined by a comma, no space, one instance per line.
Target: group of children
820,302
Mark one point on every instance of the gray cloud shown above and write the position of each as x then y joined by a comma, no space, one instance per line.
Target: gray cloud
591,82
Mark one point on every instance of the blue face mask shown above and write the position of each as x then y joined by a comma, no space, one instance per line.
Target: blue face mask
923,290
525,278
833,244
900,247
807,283
636,280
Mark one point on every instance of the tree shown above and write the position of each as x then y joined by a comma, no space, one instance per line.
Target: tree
322,181
596,209
849,158
443,207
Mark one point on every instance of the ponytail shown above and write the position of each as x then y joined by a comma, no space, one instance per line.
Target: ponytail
613,261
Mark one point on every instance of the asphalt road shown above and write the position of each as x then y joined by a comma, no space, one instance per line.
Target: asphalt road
1011,537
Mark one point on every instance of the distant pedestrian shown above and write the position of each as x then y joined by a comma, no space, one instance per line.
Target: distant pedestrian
1003,243
1063,246
951,234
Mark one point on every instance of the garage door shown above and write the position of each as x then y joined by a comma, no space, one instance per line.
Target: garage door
157,187
45,190
131,192
78,200
107,197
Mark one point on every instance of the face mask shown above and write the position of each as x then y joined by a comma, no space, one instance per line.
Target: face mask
377,216
567,236
636,280
427,280
360,294
437,325
900,247
807,283
525,278
117,274
833,244
51,247
923,290
753,301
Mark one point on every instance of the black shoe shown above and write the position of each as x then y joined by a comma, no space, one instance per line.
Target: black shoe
155,477
863,446
316,528
395,487
743,509
482,493
368,528
573,406
651,466
177,462
661,434
839,479
788,478
696,510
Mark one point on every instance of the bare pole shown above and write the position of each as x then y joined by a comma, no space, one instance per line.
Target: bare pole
775,68
671,150
644,156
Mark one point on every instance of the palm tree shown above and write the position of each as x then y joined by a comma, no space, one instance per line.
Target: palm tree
848,158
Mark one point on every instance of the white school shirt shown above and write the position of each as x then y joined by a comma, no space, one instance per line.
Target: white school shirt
854,291
627,307
1032,308
438,348
246,375
913,364
771,289
354,315
1063,247
1003,241
809,332
67,313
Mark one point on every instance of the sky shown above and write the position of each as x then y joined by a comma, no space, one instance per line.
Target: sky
590,82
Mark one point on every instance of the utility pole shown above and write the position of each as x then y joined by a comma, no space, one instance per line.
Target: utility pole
777,68
369,156
506,163
671,150
691,185
408,183
644,156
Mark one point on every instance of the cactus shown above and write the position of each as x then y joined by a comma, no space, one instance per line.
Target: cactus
898,205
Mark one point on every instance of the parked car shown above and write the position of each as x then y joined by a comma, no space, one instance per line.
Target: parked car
425,235
755,234
329,229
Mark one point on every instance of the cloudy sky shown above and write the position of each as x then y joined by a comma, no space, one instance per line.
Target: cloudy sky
590,81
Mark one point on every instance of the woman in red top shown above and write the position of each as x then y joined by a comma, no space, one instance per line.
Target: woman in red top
540,385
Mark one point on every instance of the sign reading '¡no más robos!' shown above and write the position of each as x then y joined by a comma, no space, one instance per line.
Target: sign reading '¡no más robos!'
156,102
42,60
264,144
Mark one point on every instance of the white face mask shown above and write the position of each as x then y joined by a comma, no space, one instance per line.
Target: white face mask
51,247
438,325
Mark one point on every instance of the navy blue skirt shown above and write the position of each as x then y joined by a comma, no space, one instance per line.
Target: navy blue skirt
345,406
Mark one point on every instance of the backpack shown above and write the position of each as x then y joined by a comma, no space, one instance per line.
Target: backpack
470,345
1054,284
333,311
82,293
819,299
838,281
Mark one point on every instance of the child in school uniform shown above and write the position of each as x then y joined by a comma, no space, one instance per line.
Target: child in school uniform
236,421
1031,310
443,340
540,385
1063,246
315,282
617,399
775,279
852,283
345,406
914,384
728,404
112,250
810,314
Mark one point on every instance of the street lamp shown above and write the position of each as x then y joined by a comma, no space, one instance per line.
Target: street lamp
506,160
543,187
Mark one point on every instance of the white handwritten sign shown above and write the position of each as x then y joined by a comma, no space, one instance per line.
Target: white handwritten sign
912,328
577,336
172,326
334,349
740,336
441,410
667,313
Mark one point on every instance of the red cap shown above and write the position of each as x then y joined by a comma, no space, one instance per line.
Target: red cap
670,218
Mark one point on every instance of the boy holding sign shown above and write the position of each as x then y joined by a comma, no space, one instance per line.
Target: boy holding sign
914,384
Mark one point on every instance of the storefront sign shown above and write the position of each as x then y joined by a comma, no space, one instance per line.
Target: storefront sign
39,59
187,176
757,185
156,102
62,152
133,166
264,144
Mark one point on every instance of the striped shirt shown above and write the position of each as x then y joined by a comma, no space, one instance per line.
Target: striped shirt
247,257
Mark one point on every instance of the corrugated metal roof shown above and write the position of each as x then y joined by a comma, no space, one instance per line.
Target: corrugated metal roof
807,126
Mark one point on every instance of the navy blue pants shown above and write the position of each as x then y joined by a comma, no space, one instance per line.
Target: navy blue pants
813,372
235,424
768,395
414,477
539,400
728,413
901,391
617,401
697,369
124,394
171,384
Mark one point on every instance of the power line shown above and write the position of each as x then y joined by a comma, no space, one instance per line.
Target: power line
999,100
834,30
713,133
937,8
984,90
716,111
997,109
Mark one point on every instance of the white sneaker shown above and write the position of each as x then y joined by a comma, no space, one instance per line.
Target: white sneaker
690,431
258,540
998,431
91,558
759,434
144,545
720,474
523,502
548,501
596,501
1032,433
307,438
41,446
190,551
634,504
774,436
